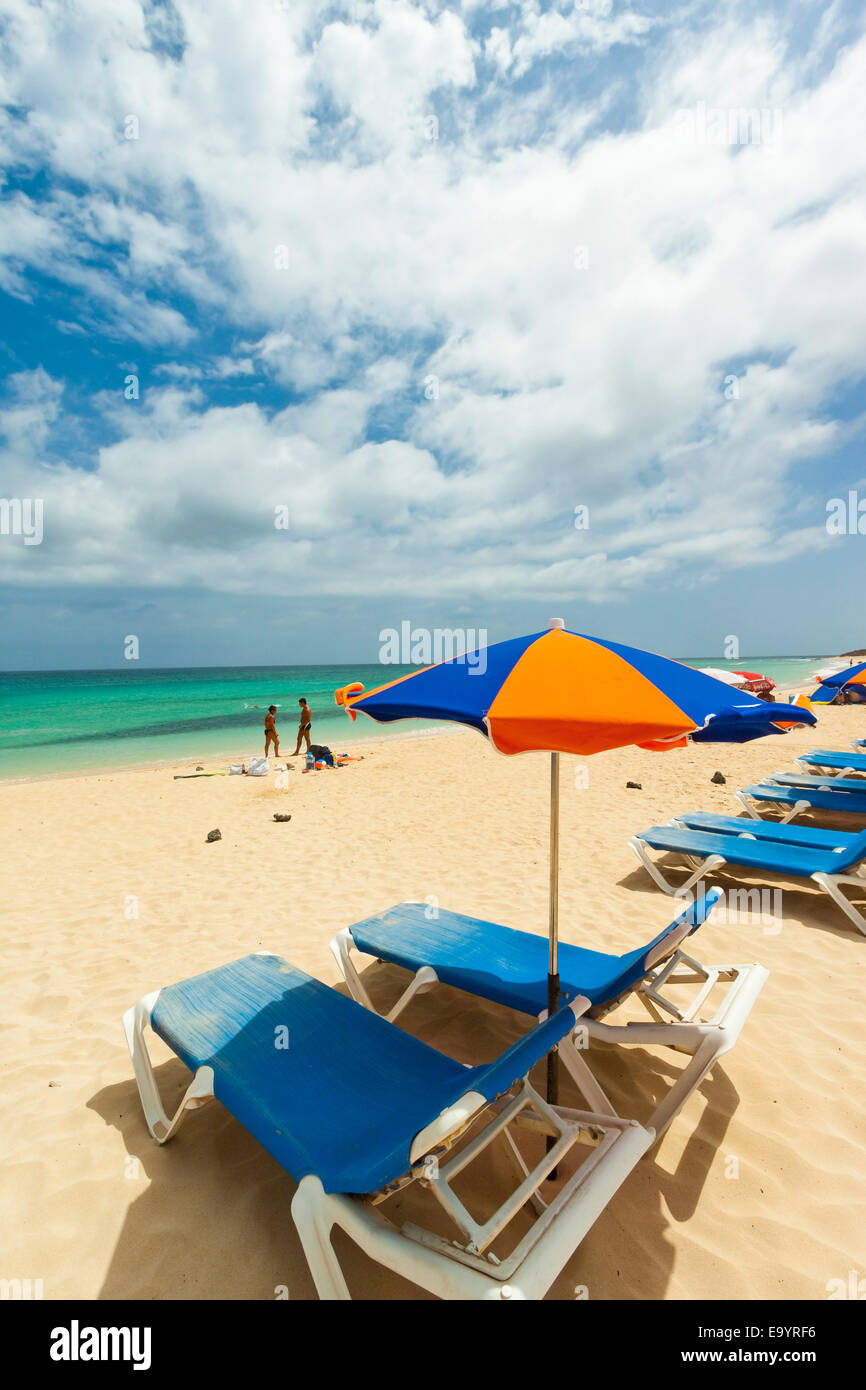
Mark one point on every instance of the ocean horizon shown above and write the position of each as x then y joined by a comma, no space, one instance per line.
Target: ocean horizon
83,721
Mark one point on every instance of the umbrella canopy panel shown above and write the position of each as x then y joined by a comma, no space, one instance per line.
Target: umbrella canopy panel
568,693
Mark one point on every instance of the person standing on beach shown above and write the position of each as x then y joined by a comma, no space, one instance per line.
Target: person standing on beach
304,726
271,735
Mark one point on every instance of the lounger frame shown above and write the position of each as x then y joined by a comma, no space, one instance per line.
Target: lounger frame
829,769
671,1027
450,1269
787,812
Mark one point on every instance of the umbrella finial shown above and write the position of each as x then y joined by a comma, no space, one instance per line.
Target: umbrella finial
557,622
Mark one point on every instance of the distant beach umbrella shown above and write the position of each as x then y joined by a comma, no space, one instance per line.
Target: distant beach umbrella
561,692
752,681
717,674
832,683
755,683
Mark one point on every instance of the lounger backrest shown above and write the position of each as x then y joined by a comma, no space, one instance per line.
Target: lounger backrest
667,941
855,852
497,1077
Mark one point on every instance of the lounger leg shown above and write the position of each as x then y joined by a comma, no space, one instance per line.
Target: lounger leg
316,1212
342,947
583,1078
707,1042
830,883
713,1046
422,981
310,1215
713,861
786,813
198,1092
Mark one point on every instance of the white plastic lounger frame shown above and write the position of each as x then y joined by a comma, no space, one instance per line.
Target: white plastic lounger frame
451,1269
198,1092
753,808
829,771
831,884
674,1028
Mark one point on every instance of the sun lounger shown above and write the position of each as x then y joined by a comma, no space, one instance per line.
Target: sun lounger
824,780
510,968
833,760
356,1109
705,851
798,796
766,830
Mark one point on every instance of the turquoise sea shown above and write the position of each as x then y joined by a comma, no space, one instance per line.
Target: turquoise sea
77,721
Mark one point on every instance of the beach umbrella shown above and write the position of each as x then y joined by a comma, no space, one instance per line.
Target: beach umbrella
717,674
743,680
754,682
561,692
832,683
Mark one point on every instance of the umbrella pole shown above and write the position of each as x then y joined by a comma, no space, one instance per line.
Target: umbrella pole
553,963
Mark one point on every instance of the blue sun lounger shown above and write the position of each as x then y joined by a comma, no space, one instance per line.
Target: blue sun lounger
825,780
833,759
706,850
794,796
766,831
355,1109
510,967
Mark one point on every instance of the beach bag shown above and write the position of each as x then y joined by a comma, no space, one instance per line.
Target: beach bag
258,767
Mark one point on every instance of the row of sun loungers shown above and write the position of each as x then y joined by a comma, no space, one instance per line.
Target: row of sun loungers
832,860
357,1110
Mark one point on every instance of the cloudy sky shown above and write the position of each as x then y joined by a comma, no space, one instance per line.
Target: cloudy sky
422,280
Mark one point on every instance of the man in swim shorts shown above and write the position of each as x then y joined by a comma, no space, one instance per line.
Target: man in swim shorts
304,726
271,735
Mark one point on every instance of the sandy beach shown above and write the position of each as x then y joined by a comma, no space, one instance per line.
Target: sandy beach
757,1191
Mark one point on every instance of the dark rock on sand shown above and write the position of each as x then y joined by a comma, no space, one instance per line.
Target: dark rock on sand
636,785
719,778
213,835
278,815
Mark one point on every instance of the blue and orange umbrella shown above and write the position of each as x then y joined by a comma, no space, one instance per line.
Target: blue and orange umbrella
562,692
854,676
566,693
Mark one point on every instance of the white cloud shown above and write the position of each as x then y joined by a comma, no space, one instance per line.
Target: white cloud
451,258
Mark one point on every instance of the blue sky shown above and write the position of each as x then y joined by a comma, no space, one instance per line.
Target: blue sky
430,277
